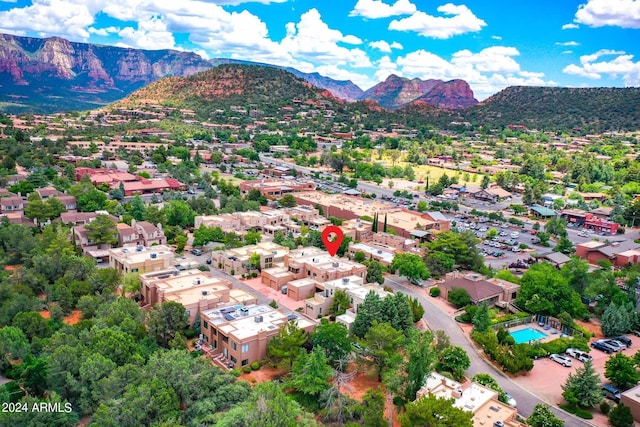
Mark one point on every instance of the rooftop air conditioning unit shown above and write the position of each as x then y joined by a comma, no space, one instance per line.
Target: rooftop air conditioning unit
335,264
139,248
379,251
345,280
154,255
258,319
205,292
196,281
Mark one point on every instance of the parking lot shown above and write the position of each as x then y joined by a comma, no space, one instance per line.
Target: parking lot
547,377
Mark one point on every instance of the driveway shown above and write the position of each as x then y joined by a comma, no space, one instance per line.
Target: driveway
440,320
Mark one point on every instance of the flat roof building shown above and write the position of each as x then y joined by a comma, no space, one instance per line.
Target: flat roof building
238,335
196,290
238,260
138,259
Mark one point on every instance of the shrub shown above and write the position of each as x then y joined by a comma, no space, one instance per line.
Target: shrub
235,372
189,333
605,407
561,345
459,297
434,292
246,369
388,289
536,351
273,304
255,365
233,272
584,414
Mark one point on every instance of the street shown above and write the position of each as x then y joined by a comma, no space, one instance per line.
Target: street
438,320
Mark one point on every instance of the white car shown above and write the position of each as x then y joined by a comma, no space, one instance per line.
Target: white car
563,360
515,235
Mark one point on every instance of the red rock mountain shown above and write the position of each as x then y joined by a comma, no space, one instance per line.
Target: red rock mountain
397,92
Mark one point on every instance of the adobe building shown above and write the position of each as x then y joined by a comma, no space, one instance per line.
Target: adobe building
275,188
312,263
138,259
618,253
238,335
493,292
196,290
481,401
237,261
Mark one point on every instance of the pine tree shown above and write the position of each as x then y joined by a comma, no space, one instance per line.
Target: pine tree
583,386
374,224
385,223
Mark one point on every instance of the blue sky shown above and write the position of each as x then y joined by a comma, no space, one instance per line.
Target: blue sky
491,44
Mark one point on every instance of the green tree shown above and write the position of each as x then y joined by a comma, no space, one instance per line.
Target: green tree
181,242
382,342
481,320
179,213
462,247
556,227
310,373
543,417
375,272
252,237
138,208
621,370
165,320
286,345
417,310
420,359
459,297
91,201
490,382
341,302
455,360
373,409
333,338
13,343
368,311
617,319
411,266
102,230
433,411
422,206
267,406
583,386
32,324
439,263
288,201
564,246
621,416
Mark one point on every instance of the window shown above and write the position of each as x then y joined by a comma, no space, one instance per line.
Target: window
206,338
234,345
245,362
245,348
225,339
205,325
215,344
233,359
134,270
320,312
215,331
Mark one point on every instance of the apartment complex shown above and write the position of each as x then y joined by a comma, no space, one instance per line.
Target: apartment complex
240,334
238,260
197,291
481,401
138,259
310,263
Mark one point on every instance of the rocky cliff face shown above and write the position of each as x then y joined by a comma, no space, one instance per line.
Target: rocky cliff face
397,92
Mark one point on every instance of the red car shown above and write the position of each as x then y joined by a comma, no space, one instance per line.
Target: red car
534,232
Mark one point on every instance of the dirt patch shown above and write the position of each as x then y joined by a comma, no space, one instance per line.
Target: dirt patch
265,373
73,318
12,267
593,326
46,314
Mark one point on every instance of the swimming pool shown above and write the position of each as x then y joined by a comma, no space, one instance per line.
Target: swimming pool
526,335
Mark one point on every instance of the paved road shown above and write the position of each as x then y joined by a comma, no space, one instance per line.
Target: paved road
439,320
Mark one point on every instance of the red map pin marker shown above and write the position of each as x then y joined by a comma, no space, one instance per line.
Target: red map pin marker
332,238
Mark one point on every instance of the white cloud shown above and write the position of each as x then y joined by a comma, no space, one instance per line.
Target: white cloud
461,21
569,43
570,26
103,31
374,9
384,68
618,13
66,18
237,2
496,37
487,72
151,33
384,46
621,66
566,52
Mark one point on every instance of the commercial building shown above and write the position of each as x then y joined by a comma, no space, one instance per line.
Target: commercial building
275,188
481,401
589,221
239,335
138,259
618,253
197,291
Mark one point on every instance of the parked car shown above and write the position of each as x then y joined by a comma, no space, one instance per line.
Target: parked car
515,249
624,340
578,354
610,392
533,232
616,344
603,346
196,251
563,360
510,400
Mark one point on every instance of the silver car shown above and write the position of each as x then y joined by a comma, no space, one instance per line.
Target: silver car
563,360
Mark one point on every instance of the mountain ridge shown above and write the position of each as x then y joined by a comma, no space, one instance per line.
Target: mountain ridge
54,74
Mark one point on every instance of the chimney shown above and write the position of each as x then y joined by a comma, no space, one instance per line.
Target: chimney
457,393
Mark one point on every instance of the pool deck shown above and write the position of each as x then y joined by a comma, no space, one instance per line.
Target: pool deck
549,333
